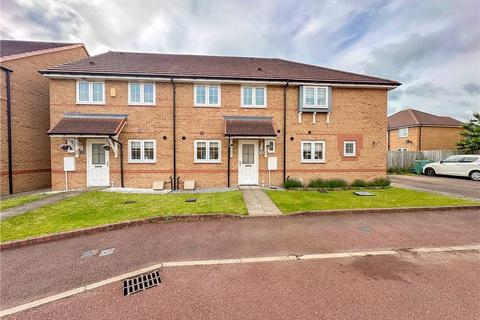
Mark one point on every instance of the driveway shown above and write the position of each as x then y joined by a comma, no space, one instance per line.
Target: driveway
449,185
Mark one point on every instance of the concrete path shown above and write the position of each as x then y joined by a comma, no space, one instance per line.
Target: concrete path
455,186
15,211
258,202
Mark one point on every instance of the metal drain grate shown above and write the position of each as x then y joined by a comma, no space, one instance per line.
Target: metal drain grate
142,282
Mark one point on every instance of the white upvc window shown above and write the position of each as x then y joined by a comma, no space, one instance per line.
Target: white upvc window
141,93
207,151
207,95
402,149
254,97
315,97
349,148
403,132
90,92
313,151
142,151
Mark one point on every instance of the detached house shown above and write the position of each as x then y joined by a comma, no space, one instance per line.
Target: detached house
25,115
130,119
413,130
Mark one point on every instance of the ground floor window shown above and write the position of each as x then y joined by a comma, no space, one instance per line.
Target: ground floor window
313,151
349,148
207,151
141,151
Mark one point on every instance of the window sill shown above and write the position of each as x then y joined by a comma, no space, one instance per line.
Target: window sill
200,162
350,155
206,105
90,103
141,162
313,161
142,104
254,107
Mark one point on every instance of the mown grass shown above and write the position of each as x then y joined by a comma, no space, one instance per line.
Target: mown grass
99,208
296,201
21,200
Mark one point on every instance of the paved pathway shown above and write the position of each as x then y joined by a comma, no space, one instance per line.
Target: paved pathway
15,211
455,186
259,203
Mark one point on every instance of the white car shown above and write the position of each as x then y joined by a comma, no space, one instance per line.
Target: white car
457,165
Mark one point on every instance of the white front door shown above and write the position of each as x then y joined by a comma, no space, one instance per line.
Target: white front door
248,162
98,172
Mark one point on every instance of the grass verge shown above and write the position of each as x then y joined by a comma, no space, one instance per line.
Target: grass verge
295,201
21,200
100,208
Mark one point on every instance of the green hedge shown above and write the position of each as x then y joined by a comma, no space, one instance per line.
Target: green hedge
292,183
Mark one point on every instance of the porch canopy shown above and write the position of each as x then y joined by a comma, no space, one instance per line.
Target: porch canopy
249,127
89,125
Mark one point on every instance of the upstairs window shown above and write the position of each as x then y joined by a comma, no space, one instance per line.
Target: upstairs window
403,132
90,92
315,97
313,151
207,95
141,93
141,151
254,97
207,151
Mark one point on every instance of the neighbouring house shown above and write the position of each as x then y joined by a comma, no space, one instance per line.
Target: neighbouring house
220,121
25,115
413,130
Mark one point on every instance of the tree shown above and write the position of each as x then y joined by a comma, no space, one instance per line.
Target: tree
471,134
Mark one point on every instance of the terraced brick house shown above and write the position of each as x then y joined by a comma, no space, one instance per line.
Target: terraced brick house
413,130
25,115
134,119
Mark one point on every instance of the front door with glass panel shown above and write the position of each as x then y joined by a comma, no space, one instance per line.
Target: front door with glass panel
97,164
248,162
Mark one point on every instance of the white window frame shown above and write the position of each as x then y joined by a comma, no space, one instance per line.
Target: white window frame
90,92
142,94
207,95
405,130
402,149
254,96
207,144
312,143
315,97
142,151
354,153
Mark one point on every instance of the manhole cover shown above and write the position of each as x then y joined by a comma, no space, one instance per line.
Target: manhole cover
106,252
130,202
363,193
141,283
191,200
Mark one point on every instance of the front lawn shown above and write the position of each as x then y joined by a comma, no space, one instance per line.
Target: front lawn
99,208
21,200
296,201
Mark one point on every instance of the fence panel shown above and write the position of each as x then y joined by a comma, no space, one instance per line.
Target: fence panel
405,159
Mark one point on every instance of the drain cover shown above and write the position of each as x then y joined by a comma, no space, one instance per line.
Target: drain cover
89,253
106,252
191,200
142,282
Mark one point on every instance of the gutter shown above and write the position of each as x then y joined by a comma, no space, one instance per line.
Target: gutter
174,186
9,129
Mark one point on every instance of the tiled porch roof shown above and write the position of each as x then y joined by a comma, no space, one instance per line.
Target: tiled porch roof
249,126
89,125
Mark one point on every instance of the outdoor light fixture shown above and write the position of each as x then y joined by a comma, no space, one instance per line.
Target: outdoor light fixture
107,147
65,147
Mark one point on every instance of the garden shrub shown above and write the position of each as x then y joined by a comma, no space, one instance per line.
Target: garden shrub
358,183
330,183
379,182
292,183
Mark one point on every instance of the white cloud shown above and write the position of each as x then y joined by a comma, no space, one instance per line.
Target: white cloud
432,47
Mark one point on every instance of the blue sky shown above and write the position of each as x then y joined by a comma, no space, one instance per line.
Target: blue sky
431,46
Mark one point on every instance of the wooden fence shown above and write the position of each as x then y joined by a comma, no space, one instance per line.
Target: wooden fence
405,159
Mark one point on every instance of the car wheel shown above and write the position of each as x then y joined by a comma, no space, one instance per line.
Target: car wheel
429,172
475,175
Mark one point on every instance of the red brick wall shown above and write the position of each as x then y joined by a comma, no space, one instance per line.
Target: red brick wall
30,120
357,114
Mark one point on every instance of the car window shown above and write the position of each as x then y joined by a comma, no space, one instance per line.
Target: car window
469,159
453,159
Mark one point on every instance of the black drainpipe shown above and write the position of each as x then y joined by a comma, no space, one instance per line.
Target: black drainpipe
420,138
121,160
9,130
174,187
228,161
285,132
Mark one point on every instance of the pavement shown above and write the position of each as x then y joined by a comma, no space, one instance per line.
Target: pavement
455,186
42,270
258,203
53,198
